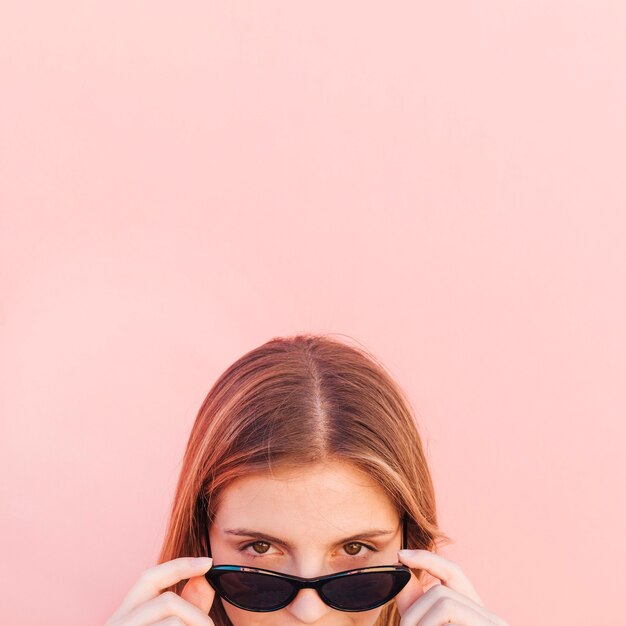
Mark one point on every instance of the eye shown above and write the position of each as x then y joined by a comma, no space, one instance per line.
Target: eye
353,548
260,547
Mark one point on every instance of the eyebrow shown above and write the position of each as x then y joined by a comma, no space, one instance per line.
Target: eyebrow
246,532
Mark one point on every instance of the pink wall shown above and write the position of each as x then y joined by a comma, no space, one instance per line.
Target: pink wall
443,182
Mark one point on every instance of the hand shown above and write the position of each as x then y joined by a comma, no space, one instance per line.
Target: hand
455,601
144,605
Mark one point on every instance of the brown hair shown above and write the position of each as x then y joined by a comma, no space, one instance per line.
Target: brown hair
292,401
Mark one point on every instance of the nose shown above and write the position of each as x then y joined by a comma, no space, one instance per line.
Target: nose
307,606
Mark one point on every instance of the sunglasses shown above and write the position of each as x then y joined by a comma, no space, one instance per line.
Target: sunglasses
263,590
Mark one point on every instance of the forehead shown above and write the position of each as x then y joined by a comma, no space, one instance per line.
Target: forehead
321,500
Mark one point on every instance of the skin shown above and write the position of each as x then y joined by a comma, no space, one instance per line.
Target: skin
313,510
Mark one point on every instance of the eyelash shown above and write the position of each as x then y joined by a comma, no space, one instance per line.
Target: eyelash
250,555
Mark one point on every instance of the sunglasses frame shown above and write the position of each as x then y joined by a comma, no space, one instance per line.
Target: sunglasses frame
400,572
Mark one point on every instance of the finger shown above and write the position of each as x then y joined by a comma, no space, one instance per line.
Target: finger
152,581
409,594
449,572
170,621
448,610
166,605
198,592
441,595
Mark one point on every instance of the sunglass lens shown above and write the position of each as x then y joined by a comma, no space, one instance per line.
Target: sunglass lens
362,592
257,592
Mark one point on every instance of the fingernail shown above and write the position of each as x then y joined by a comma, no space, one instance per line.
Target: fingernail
204,560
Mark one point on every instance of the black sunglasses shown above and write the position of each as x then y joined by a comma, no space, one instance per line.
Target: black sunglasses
262,590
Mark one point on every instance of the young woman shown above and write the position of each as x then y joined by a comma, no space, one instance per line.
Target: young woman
304,498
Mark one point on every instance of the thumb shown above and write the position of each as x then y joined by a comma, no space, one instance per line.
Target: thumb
409,594
198,592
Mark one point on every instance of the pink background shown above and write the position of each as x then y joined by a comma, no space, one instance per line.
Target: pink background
442,181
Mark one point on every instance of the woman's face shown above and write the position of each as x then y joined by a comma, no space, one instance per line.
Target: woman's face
304,519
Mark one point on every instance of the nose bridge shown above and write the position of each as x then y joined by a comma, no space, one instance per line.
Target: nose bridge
308,606
310,565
